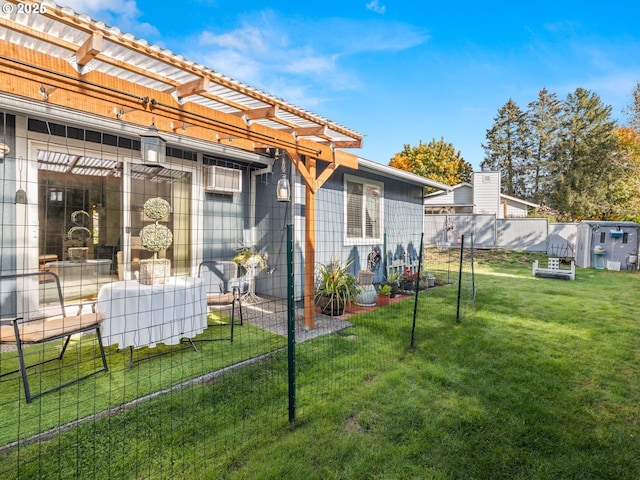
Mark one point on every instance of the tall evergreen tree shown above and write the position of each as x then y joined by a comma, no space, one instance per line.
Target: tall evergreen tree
507,149
583,166
544,124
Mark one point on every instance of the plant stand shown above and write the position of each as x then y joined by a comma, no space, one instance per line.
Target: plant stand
251,267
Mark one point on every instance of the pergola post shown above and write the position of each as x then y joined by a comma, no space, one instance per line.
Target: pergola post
310,257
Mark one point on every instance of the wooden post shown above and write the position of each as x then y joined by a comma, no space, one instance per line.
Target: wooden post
310,251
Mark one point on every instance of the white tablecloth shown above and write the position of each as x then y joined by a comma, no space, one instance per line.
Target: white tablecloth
143,315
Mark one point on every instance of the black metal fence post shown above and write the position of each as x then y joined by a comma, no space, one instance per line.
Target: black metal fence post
460,278
417,291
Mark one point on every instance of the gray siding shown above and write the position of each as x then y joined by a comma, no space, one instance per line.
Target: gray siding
403,206
486,193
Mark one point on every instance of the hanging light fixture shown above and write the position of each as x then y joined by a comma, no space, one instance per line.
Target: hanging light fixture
283,191
153,147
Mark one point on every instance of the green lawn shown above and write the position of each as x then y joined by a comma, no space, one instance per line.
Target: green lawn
154,369
540,382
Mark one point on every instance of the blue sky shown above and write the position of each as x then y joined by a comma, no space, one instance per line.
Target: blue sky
399,72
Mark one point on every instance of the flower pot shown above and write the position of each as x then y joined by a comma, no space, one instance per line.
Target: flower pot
78,254
367,296
408,286
383,300
365,277
154,271
330,306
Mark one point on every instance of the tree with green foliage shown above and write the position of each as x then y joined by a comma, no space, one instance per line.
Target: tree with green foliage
584,166
544,119
437,160
633,110
507,149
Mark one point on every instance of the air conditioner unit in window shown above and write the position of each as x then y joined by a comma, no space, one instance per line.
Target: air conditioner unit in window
222,180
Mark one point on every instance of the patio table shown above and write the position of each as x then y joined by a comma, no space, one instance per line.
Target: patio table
137,315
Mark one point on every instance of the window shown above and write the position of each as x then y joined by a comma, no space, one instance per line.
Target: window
363,211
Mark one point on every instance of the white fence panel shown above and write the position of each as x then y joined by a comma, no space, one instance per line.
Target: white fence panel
523,234
531,234
445,230
562,239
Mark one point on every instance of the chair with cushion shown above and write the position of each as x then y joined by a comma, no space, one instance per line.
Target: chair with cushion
222,285
42,321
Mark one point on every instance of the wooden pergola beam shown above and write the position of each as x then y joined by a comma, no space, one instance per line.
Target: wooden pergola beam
89,49
194,87
98,94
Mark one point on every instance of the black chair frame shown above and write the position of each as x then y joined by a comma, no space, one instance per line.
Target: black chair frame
64,328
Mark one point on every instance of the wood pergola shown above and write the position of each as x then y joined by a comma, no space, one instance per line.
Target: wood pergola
62,58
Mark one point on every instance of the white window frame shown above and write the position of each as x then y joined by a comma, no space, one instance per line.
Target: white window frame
365,182
78,147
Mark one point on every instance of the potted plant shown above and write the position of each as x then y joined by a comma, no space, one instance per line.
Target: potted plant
155,238
335,286
408,280
384,294
248,258
393,279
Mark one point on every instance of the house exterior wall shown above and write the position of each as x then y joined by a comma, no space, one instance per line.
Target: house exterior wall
402,224
486,193
463,195
514,209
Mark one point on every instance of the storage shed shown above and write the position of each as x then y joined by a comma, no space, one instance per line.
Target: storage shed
606,244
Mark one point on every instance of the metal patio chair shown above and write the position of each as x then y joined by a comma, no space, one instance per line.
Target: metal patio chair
47,324
223,287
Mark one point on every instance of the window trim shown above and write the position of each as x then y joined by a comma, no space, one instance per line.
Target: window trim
364,182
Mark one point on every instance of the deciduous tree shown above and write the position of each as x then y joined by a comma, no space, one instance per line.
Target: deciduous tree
437,160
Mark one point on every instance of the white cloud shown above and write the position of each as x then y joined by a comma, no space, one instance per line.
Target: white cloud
305,60
126,8
247,39
121,13
375,6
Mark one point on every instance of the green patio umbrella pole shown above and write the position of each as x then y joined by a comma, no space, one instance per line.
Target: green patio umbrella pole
291,327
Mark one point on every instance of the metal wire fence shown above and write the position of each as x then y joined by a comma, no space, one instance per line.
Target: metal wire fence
201,366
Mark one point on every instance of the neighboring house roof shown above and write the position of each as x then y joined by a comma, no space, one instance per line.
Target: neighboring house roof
518,200
442,199
391,172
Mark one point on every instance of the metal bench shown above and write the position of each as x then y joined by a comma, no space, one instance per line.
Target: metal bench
50,326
